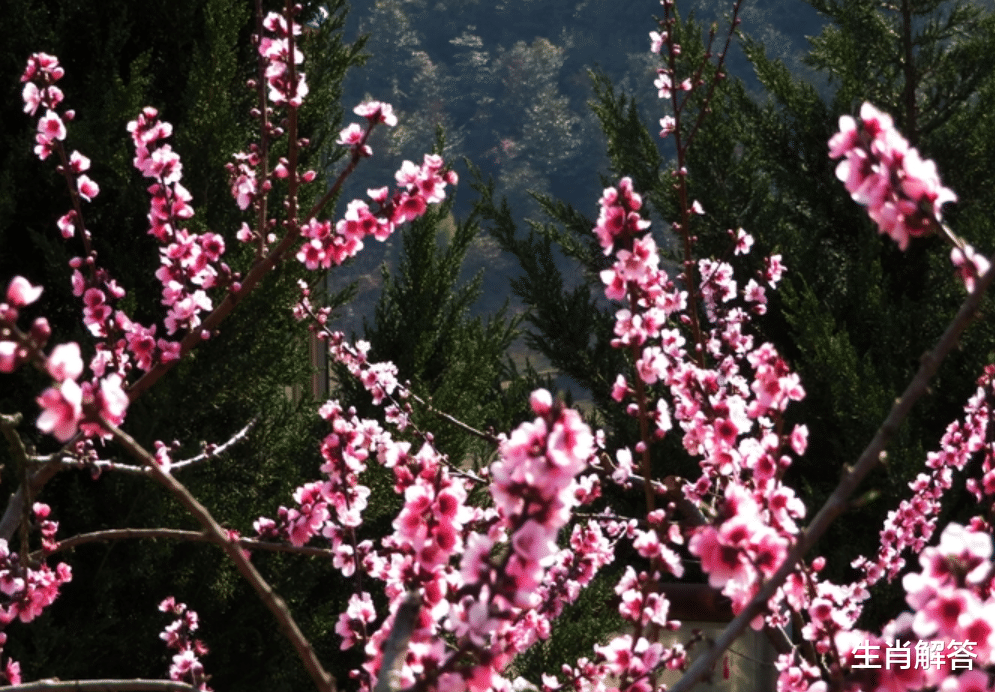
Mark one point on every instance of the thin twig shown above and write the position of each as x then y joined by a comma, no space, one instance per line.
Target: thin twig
68,461
838,501
486,437
137,685
178,535
276,605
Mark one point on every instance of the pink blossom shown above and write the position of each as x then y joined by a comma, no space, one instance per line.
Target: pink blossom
32,98
668,125
377,112
656,41
970,265
51,127
20,292
902,192
65,362
87,188
62,410
78,163
67,224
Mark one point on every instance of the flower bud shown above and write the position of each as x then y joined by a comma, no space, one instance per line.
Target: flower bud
8,313
541,402
41,331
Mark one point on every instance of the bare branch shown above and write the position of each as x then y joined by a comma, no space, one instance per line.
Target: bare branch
8,424
276,605
210,452
178,535
20,500
137,685
486,437
839,500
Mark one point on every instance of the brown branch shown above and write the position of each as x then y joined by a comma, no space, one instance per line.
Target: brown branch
396,646
466,427
32,483
839,500
137,685
276,605
104,464
178,535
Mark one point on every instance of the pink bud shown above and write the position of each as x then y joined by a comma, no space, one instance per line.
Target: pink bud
541,402
8,356
41,331
8,313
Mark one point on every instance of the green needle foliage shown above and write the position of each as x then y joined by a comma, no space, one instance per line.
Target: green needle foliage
190,59
854,314
457,363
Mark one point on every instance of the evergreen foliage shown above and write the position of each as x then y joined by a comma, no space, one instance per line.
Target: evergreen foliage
854,314
191,60
458,364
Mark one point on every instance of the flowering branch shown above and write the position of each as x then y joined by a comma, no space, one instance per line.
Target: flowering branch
322,679
838,501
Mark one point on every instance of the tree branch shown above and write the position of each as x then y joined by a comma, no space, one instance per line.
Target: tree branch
838,501
19,501
276,605
178,535
137,685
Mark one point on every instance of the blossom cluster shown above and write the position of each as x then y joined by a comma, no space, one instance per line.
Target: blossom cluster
951,597
67,406
443,550
901,191
951,600
665,79
729,413
178,635
190,262
287,88
421,185
28,587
